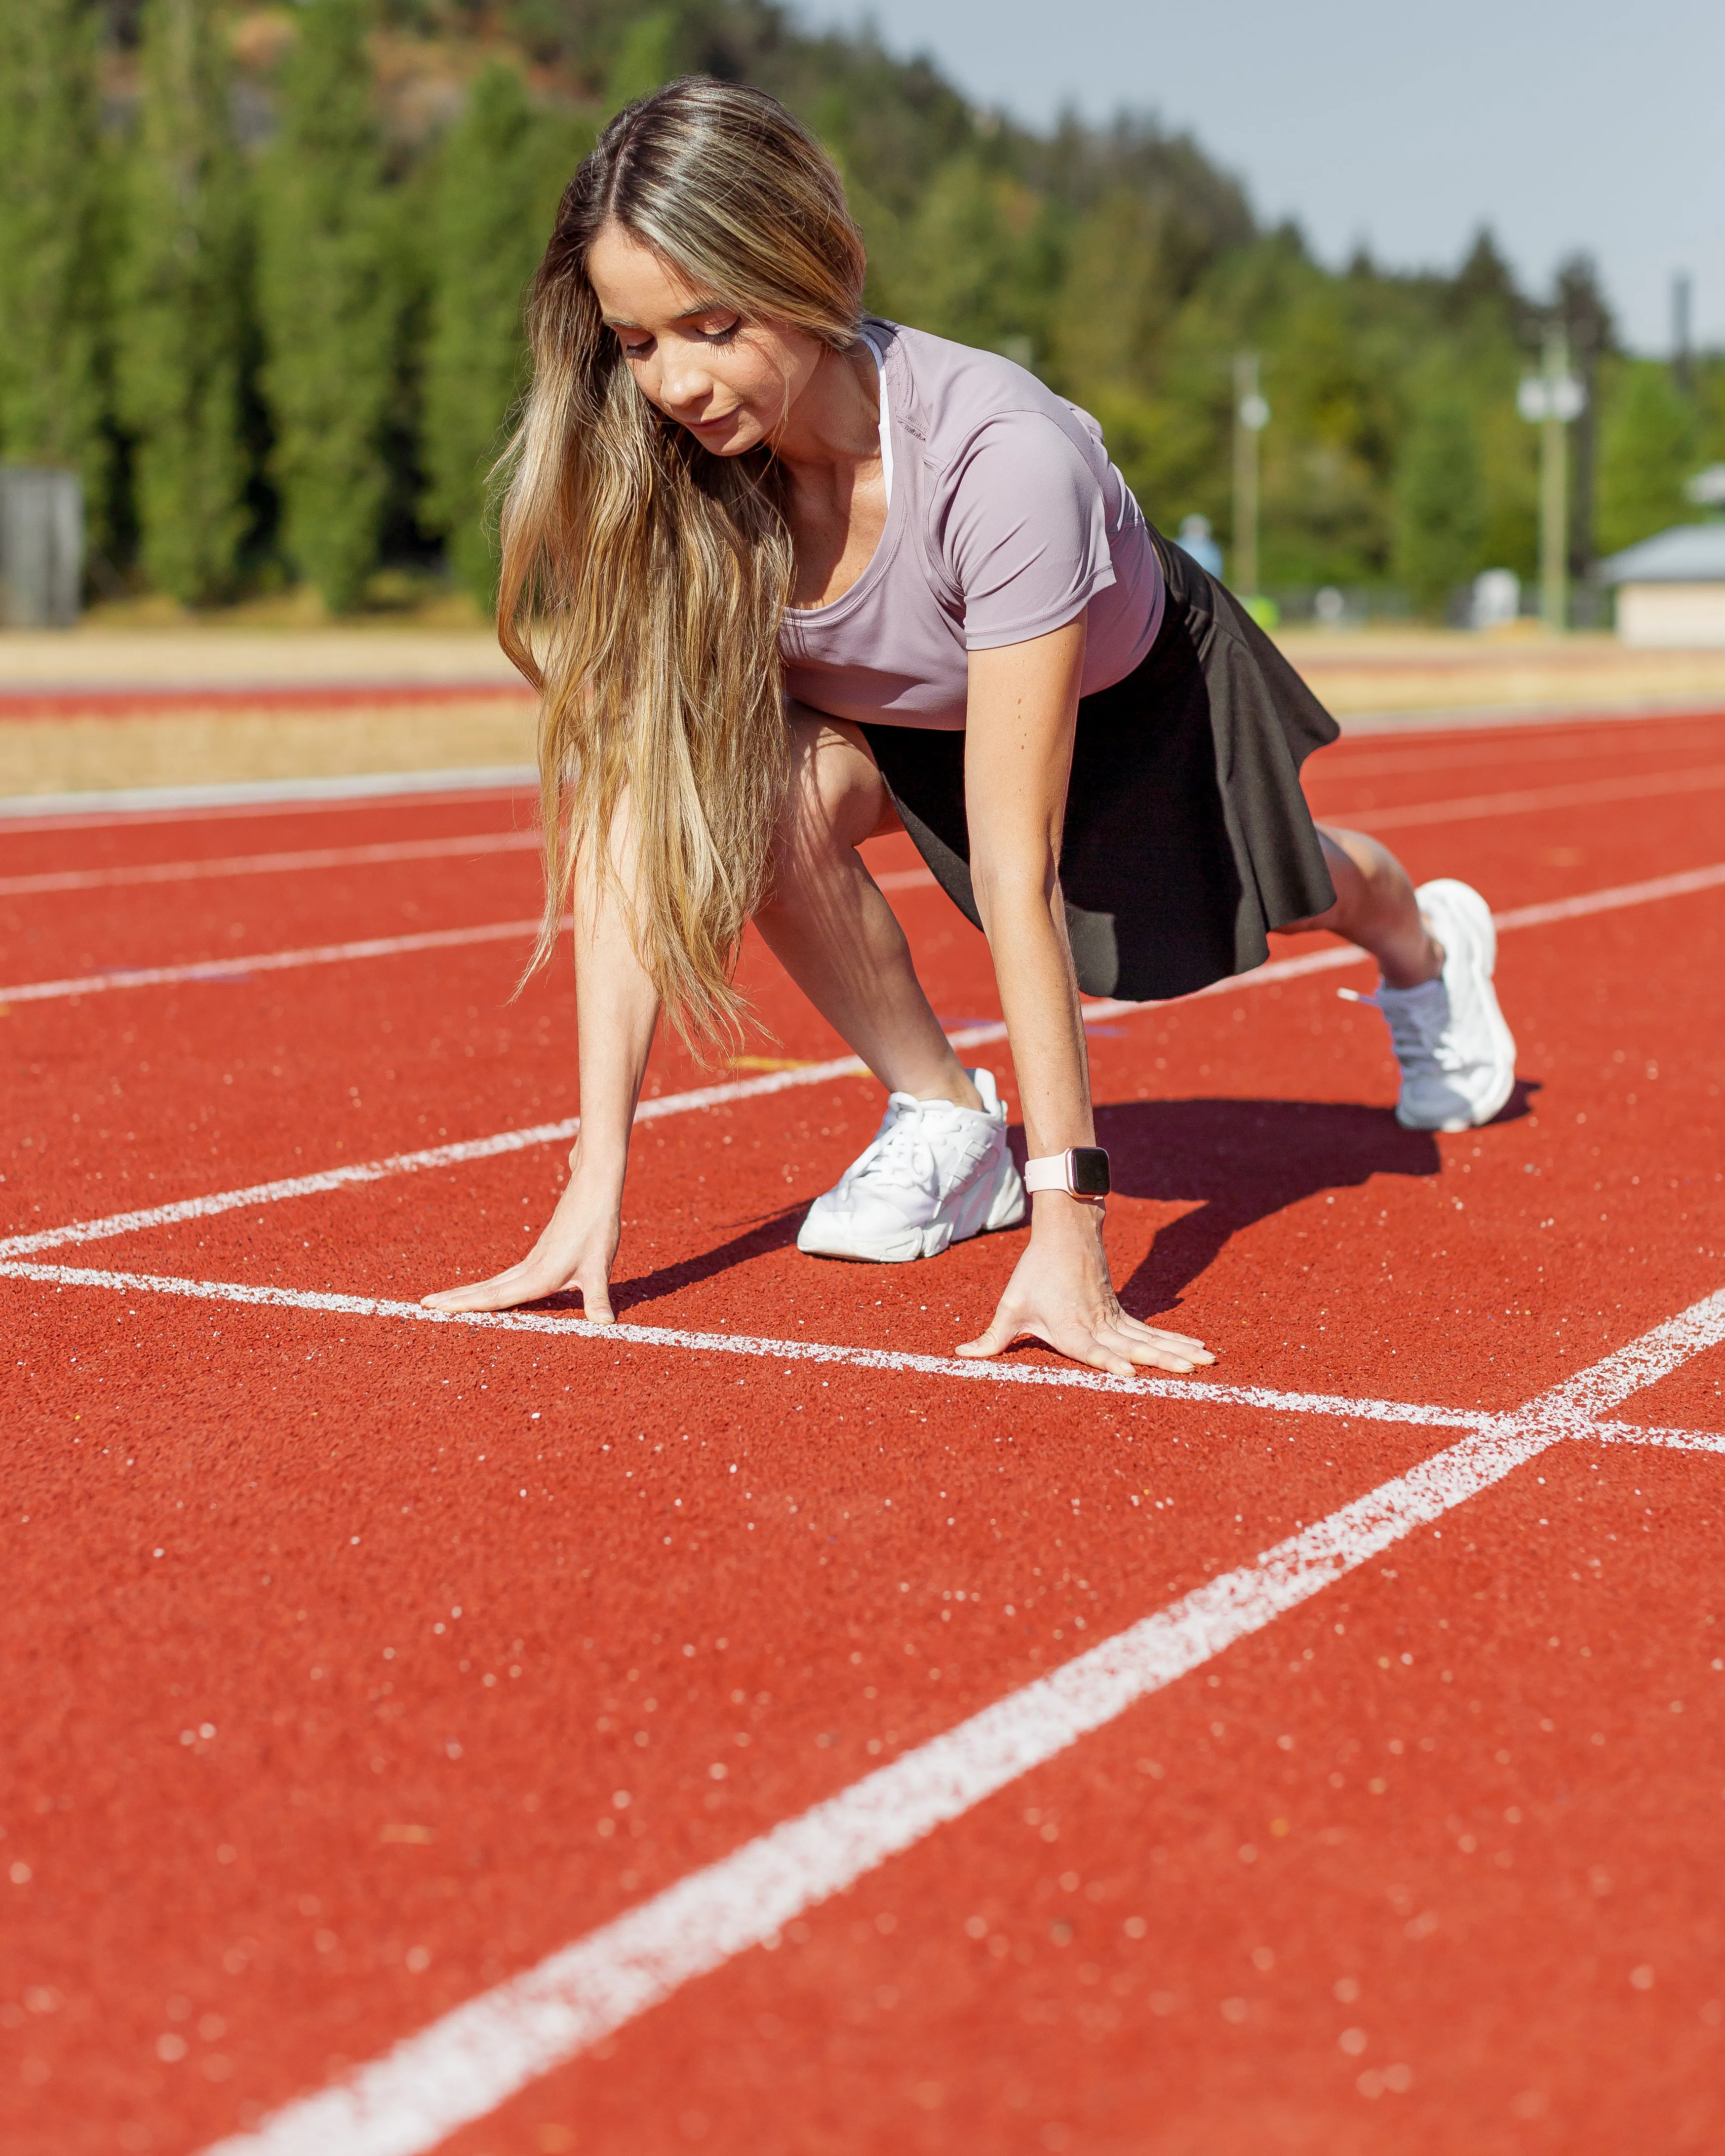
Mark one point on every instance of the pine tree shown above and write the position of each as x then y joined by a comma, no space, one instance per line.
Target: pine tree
184,321
503,167
329,302
56,248
1439,505
1648,446
978,262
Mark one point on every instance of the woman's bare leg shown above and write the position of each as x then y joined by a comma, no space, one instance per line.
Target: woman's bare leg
1375,907
832,929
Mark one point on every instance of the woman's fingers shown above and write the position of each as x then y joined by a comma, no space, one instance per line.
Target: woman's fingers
1082,1345
1110,1341
502,1291
1077,1345
1080,1342
1000,1335
530,1282
1131,1330
596,1302
507,1293
575,1250
1182,1342
1168,1354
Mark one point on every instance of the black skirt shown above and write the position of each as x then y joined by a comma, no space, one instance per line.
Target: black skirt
1187,837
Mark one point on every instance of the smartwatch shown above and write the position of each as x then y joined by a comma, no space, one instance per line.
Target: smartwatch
1082,1172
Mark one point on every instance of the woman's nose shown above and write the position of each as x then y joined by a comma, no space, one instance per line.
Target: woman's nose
684,382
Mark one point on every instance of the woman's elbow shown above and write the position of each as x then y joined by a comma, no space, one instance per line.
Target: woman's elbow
1011,888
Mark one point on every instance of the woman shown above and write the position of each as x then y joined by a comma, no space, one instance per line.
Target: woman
808,577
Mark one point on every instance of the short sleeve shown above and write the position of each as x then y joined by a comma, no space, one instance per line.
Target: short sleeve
1024,535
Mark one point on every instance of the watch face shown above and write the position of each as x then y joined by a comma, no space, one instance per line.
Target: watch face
1089,1172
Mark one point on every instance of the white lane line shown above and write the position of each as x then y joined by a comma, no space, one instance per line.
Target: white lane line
1610,901
473,844
1264,976
1348,760
241,865
576,1329
1472,807
1195,1391
133,807
1671,1441
537,1134
811,1074
1344,1406
475,2058
241,968
433,1156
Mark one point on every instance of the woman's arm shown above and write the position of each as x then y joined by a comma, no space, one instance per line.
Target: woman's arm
1022,712
616,1012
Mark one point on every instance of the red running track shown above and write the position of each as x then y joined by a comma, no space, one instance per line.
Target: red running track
1405,1843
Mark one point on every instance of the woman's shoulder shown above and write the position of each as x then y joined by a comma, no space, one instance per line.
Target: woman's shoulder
949,393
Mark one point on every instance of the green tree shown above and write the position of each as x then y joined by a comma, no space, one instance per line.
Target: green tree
1119,260
1648,447
502,168
978,262
1439,504
185,327
1332,366
644,60
55,251
330,303
1118,298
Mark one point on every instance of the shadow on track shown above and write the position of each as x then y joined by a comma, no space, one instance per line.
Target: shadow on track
1236,1161
1243,1161
773,1232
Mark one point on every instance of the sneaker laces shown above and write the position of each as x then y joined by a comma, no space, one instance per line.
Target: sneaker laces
900,1153
1418,1022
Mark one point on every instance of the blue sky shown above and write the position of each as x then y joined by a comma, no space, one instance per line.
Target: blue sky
1583,125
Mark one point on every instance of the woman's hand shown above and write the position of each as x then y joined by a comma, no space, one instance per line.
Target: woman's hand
575,1249
1060,1293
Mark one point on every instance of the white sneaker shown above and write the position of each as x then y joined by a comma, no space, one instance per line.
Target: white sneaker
1458,1057
934,1175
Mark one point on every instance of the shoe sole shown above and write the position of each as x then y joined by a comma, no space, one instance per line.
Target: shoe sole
1004,1209
1464,906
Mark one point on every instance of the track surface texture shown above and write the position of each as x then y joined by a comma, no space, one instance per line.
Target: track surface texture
752,1730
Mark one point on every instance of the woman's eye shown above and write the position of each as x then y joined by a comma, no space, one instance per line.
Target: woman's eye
721,330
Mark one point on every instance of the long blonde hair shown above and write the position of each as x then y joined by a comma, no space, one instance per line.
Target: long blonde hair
652,573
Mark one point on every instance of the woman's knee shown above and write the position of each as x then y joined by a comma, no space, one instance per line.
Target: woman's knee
1370,883
1353,854
1358,867
834,797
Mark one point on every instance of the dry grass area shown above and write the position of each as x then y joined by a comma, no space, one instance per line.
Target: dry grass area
85,753
118,706
236,654
1410,671
124,702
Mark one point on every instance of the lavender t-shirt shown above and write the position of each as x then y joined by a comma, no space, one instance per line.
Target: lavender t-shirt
1004,520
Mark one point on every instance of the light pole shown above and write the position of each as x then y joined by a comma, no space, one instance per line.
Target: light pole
1551,399
1251,415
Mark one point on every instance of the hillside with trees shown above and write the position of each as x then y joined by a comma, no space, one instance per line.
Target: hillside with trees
261,272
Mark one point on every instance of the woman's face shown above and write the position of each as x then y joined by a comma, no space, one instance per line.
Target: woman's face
731,382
